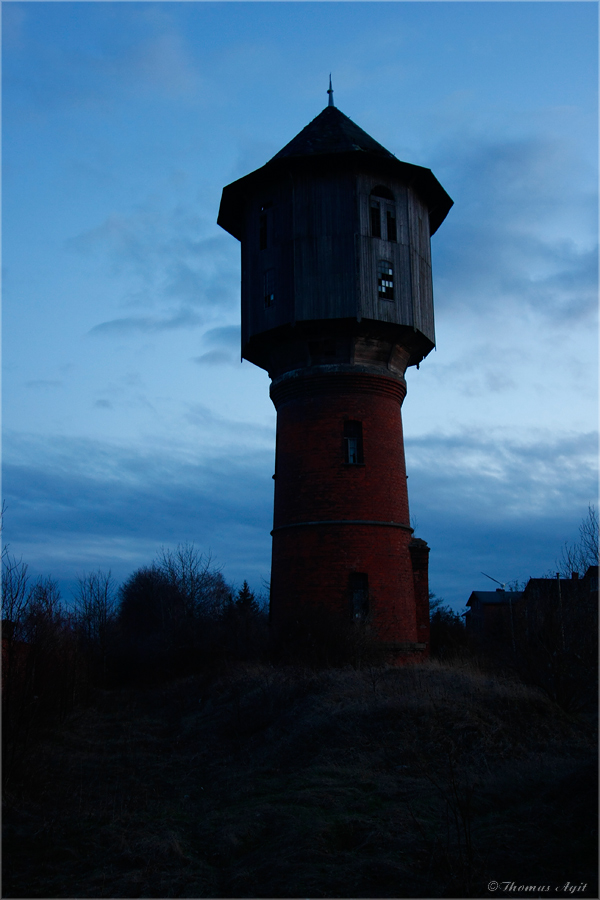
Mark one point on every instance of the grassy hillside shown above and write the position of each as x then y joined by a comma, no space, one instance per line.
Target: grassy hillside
276,782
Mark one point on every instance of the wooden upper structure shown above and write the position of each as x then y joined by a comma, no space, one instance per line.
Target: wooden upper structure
335,234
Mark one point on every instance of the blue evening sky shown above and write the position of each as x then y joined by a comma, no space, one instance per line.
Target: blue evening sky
129,422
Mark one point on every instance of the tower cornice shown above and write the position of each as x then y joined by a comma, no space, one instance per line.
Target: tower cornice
320,380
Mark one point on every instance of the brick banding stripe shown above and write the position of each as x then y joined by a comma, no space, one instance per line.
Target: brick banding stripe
344,522
303,385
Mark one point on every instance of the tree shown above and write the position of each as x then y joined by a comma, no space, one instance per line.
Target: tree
244,631
14,596
245,601
169,614
200,586
40,667
148,602
95,614
447,635
578,557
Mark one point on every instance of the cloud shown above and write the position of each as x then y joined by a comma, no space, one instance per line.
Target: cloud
487,368
226,340
238,436
162,64
487,502
77,504
165,259
224,335
522,231
503,478
152,60
147,324
215,358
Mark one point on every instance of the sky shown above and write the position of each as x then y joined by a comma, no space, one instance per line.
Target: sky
129,421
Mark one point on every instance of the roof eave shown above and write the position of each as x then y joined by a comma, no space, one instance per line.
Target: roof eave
422,179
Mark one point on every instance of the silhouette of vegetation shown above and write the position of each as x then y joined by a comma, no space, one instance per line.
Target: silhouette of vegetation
448,635
155,745
95,604
169,615
244,626
42,673
582,554
557,640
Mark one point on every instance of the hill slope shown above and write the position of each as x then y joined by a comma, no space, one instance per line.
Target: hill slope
417,782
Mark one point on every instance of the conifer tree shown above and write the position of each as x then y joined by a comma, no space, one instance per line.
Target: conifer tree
245,601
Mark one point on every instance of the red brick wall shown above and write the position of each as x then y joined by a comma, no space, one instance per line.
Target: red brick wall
312,562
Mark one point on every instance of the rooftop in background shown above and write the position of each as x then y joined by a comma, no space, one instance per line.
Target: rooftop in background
497,596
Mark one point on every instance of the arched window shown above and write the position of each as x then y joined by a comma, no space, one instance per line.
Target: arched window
380,190
383,213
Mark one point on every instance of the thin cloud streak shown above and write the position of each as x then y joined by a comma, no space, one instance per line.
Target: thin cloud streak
147,324
226,341
216,358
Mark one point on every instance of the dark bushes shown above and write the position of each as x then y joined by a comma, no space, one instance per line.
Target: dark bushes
43,671
178,617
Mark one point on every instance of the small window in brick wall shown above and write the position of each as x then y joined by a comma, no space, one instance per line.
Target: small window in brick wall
359,594
385,280
353,443
269,287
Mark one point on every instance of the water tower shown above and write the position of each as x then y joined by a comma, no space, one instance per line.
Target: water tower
337,303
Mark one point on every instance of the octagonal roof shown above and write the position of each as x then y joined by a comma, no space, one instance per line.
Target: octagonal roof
334,138
331,132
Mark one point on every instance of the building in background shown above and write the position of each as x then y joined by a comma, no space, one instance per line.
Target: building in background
556,614
494,615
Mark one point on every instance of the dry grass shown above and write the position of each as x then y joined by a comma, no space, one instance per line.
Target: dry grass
415,782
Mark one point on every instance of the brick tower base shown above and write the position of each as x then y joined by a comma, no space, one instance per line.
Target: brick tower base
342,543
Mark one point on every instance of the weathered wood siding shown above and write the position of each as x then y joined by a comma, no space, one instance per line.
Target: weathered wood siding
324,224
277,257
420,254
324,260
409,255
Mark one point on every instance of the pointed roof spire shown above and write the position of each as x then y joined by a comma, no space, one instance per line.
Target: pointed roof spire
330,92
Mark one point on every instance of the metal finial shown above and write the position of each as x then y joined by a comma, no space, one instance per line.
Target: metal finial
330,92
